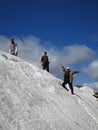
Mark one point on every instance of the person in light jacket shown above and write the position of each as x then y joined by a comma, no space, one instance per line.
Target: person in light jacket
13,49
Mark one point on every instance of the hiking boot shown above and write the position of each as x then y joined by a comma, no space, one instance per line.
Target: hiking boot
72,93
66,88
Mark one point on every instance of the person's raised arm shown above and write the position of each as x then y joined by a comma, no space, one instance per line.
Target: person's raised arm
63,69
76,72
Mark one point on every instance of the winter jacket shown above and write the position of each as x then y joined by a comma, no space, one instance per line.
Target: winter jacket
71,73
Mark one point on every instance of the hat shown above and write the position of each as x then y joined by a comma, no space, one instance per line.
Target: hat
67,68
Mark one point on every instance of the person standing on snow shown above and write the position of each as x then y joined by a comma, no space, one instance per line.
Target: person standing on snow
13,49
68,78
45,61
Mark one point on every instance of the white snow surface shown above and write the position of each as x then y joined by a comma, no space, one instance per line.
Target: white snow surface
33,99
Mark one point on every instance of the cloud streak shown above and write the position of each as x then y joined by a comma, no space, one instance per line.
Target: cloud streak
77,53
92,69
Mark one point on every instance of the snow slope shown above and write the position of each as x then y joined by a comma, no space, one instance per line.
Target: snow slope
33,99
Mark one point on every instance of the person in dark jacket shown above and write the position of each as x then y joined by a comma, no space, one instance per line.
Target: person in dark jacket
68,78
45,61
13,49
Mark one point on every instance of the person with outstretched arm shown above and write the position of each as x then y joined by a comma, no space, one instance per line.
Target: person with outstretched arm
68,78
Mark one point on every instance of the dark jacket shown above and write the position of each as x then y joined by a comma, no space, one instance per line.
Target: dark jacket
44,59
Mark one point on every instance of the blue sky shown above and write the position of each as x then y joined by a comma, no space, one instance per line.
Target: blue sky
67,29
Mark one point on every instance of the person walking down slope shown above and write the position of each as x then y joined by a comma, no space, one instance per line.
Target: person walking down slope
45,61
68,78
13,49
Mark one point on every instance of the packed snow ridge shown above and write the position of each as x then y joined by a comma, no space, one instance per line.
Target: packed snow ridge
33,99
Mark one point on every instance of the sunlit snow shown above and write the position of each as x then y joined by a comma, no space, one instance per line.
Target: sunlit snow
33,99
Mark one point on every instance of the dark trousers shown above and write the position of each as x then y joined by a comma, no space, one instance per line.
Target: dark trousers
46,66
70,85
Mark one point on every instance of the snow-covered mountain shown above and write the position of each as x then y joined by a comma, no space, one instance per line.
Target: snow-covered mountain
33,99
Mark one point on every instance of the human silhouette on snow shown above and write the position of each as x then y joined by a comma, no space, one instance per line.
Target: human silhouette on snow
45,61
68,78
13,49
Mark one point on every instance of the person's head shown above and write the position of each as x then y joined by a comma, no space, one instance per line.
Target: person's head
12,40
45,53
68,68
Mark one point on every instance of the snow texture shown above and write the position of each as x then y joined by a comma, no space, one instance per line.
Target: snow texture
33,99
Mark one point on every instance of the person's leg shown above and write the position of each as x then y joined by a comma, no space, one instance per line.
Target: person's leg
47,67
43,66
71,88
12,53
16,54
63,84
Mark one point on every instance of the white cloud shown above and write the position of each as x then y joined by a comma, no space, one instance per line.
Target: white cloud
92,69
76,53
31,49
93,85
